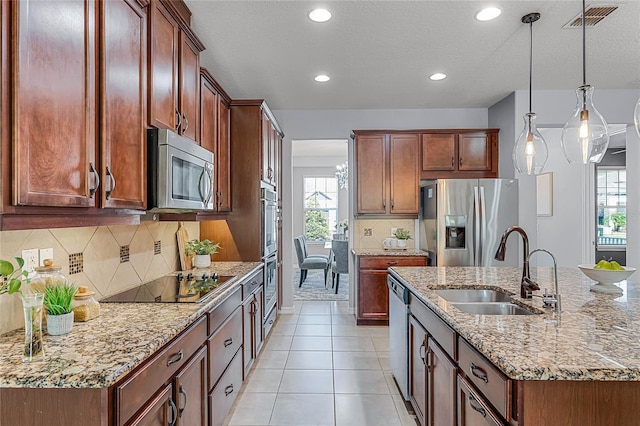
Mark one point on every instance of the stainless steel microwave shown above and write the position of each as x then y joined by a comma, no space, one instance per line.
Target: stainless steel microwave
180,173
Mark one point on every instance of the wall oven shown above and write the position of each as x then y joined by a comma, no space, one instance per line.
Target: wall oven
270,283
180,173
269,222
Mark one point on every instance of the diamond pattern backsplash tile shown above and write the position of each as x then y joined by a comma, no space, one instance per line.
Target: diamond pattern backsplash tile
76,263
124,254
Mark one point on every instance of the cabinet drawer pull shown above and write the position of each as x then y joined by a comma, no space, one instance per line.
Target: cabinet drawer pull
392,263
184,394
176,358
472,402
228,390
481,375
228,342
112,184
174,413
96,177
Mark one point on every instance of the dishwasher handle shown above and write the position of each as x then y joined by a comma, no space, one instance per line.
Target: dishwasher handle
398,289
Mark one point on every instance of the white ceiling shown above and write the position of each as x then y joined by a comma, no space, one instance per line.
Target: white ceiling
379,54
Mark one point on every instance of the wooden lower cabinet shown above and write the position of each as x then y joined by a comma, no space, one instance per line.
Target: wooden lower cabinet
372,293
473,409
160,411
223,395
417,369
190,391
441,386
252,327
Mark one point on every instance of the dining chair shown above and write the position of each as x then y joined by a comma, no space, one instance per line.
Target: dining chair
306,262
340,264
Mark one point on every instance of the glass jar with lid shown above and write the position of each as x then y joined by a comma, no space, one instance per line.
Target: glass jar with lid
47,275
85,306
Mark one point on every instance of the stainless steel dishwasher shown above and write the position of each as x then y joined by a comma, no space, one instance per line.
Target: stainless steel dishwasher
399,334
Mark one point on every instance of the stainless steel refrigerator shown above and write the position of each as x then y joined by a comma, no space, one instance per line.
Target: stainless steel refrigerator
462,221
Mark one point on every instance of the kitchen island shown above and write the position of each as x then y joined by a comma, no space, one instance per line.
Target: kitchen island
84,366
579,368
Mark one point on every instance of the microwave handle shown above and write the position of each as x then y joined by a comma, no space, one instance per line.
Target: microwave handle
210,184
206,197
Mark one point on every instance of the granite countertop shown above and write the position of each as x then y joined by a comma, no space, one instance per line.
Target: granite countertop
98,352
596,337
389,252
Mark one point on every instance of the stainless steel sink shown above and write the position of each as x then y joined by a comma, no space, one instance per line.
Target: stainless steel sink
492,309
473,295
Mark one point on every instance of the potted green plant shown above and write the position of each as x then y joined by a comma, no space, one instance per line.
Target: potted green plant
58,299
402,235
202,251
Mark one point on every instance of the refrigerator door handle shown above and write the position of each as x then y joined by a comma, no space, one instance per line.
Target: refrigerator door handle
483,228
476,227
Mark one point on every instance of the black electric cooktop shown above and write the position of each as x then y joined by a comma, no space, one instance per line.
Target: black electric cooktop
180,288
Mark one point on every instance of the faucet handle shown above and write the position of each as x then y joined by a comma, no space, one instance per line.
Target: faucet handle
549,300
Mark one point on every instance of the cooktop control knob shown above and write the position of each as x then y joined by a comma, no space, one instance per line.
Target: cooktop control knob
189,276
180,277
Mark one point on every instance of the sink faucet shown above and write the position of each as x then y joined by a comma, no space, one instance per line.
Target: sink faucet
551,300
526,284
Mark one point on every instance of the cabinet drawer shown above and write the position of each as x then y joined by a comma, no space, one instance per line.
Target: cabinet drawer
473,409
384,262
221,312
223,345
495,386
270,321
441,332
142,383
224,394
251,284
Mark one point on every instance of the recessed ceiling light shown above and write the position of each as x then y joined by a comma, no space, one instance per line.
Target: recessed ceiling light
488,14
438,76
320,15
322,78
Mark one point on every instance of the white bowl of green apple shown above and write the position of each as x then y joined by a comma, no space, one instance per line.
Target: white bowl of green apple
607,272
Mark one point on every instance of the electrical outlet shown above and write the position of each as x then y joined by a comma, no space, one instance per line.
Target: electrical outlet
30,258
46,253
393,231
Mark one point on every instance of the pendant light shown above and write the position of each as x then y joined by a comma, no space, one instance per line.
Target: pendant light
585,136
530,152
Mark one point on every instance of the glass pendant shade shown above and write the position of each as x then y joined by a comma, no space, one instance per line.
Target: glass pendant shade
585,136
636,117
530,152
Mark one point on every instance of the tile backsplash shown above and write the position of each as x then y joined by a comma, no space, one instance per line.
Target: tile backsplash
369,233
93,256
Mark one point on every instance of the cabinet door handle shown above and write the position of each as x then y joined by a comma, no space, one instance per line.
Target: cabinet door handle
174,413
384,204
392,263
186,123
176,358
179,123
422,352
112,183
453,161
96,178
228,342
461,161
184,394
481,375
392,203
473,402
228,390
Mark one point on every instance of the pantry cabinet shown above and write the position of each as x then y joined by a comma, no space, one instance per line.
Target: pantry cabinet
270,147
460,154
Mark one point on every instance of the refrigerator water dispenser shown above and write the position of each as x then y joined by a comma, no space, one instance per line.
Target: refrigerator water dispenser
455,227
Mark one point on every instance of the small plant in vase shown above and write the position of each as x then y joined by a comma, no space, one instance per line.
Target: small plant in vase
58,299
402,235
202,251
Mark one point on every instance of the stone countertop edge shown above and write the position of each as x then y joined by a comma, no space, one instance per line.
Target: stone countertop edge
97,353
596,338
391,252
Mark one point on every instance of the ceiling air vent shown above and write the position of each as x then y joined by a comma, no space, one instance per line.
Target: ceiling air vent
593,15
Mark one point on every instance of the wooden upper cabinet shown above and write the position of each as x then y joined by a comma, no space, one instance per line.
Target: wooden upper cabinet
189,87
460,154
123,100
371,170
53,117
163,68
404,164
208,115
265,153
223,157
388,178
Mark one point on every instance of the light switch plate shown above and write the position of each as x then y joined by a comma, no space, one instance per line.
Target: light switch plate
30,257
45,253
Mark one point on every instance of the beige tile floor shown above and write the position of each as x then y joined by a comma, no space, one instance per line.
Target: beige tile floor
319,368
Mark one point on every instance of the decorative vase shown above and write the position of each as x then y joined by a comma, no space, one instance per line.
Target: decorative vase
33,349
202,261
402,244
59,324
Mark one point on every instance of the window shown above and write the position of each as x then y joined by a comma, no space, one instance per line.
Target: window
320,207
611,212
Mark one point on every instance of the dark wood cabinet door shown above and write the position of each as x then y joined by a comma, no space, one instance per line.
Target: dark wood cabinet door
474,152
265,135
373,297
189,72
163,68
258,318
160,411
208,116
439,152
417,369
441,386
123,100
473,410
54,103
223,157
190,391
371,174
247,335
404,174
